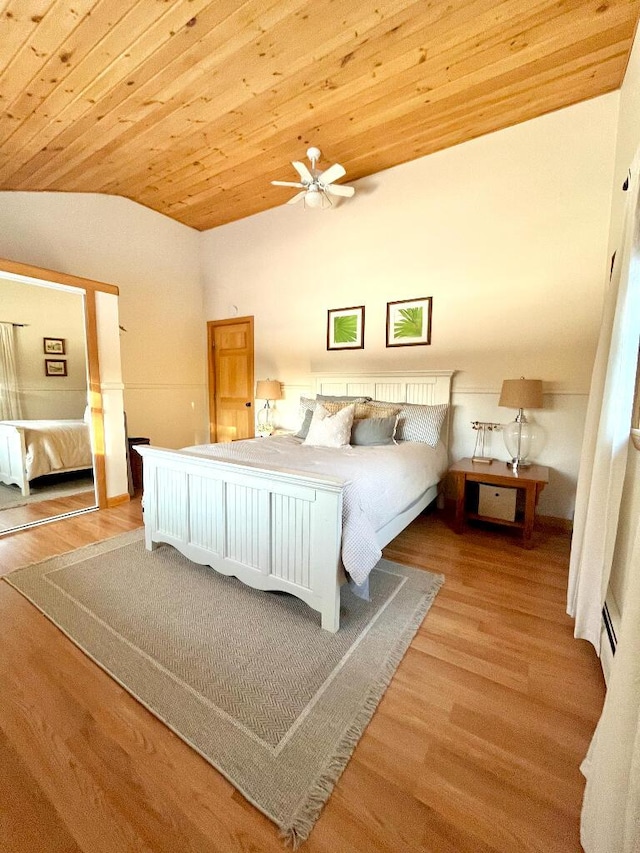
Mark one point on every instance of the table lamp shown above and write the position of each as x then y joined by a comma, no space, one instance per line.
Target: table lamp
267,390
520,394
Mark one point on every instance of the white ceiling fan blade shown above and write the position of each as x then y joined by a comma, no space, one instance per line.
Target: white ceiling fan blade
297,197
338,189
286,184
302,170
333,173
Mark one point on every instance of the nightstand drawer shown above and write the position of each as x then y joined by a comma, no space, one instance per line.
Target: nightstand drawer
497,502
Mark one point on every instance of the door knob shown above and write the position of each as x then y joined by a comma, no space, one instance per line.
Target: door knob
248,405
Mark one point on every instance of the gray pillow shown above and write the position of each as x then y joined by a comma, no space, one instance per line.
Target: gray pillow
367,432
304,427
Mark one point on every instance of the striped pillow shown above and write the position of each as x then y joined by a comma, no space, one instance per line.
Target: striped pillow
421,423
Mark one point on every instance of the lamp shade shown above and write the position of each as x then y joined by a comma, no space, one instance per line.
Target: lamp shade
521,394
268,389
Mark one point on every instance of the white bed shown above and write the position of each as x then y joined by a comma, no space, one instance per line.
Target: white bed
239,509
30,449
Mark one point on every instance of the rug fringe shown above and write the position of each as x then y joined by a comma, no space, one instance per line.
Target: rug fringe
304,819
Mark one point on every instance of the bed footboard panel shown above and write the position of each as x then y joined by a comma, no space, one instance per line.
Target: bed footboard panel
13,456
273,530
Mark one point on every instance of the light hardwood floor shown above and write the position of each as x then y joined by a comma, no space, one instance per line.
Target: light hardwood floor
475,747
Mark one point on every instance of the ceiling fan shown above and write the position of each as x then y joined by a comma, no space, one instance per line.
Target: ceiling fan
316,187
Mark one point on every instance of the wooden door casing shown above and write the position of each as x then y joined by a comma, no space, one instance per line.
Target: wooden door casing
231,379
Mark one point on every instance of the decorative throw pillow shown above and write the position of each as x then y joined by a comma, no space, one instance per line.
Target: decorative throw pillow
367,432
421,423
307,407
330,430
365,410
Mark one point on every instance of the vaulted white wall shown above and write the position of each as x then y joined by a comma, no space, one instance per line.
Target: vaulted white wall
508,233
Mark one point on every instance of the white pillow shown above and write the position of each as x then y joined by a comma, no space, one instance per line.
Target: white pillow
330,430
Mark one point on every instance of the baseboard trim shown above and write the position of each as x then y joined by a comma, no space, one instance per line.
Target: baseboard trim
552,522
117,500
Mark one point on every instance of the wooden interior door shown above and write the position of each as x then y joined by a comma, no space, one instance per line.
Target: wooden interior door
231,403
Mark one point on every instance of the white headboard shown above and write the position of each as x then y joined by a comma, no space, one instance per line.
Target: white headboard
420,386
426,387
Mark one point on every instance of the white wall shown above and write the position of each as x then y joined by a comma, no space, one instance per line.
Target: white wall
53,313
507,233
628,141
155,263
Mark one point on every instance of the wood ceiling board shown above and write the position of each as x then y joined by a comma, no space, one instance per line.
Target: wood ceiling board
223,59
209,163
119,54
460,95
192,108
282,109
120,101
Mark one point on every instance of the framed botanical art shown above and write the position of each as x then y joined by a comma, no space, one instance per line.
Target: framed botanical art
55,367
409,322
345,328
54,346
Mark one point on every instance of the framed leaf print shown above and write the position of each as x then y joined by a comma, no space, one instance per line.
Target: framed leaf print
345,328
409,322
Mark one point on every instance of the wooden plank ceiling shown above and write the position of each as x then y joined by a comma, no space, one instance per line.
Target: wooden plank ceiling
192,107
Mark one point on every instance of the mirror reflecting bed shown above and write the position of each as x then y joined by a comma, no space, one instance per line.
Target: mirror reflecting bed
46,463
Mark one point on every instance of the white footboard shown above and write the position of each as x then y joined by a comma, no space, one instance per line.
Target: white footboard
13,455
272,529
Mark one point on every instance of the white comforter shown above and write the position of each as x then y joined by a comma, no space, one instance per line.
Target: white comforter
55,446
379,483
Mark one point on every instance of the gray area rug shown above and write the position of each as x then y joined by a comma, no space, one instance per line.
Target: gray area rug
11,496
247,678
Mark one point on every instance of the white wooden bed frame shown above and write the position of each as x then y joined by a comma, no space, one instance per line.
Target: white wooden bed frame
273,529
13,459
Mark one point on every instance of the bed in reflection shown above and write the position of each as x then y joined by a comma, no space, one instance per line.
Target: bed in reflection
32,449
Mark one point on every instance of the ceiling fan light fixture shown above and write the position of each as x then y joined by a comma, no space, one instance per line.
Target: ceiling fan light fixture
316,187
314,198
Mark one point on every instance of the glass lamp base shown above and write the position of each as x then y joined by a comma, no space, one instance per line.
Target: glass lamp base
518,436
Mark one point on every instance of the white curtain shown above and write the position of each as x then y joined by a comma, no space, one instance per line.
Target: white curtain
10,405
606,439
611,807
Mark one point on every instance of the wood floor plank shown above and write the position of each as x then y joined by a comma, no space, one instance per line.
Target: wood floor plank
28,821
475,747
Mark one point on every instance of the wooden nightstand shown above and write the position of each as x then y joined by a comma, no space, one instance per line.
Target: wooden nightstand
530,481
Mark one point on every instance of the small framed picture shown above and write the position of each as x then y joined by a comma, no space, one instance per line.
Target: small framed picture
345,328
55,367
409,322
54,346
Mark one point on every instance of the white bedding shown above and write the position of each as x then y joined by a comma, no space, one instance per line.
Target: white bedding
380,482
55,445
